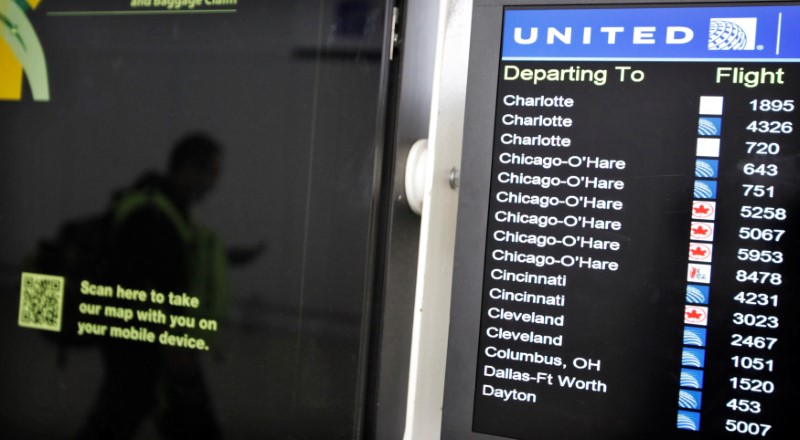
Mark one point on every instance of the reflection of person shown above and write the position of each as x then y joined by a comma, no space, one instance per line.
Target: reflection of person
156,245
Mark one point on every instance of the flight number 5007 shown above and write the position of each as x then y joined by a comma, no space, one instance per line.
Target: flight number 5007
752,428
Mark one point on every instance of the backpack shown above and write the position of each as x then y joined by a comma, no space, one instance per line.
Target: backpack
79,251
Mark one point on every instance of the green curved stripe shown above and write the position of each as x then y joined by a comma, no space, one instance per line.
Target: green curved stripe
23,4
14,32
19,34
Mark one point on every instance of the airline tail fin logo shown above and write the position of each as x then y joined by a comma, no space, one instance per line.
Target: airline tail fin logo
21,53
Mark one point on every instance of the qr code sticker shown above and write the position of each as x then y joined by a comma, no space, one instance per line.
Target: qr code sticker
41,300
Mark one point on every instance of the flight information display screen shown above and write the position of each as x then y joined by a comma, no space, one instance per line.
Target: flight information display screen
640,252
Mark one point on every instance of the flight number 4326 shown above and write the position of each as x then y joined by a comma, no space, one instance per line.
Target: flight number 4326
774,127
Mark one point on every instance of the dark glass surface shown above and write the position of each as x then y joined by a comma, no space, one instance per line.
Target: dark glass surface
289,92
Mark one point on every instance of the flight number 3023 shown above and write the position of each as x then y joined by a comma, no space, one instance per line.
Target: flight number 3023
758,321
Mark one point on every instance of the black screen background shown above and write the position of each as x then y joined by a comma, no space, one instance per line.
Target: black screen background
632,319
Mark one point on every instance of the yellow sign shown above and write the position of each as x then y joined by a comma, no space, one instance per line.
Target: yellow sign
21,52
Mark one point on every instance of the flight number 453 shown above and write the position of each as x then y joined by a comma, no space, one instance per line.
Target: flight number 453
744,405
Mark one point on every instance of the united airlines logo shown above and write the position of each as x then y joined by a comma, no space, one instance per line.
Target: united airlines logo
706,168
709,126
694,336
696,294
689,399
754,32
693,357
732,34
688,420
691,378
705,189
21,52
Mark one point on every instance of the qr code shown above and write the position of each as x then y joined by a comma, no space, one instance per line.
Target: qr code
41,300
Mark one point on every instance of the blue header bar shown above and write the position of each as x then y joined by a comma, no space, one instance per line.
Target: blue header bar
721,33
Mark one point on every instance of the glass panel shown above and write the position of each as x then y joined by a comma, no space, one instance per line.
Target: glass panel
186,196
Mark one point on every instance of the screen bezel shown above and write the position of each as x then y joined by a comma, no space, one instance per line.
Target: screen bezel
473,208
